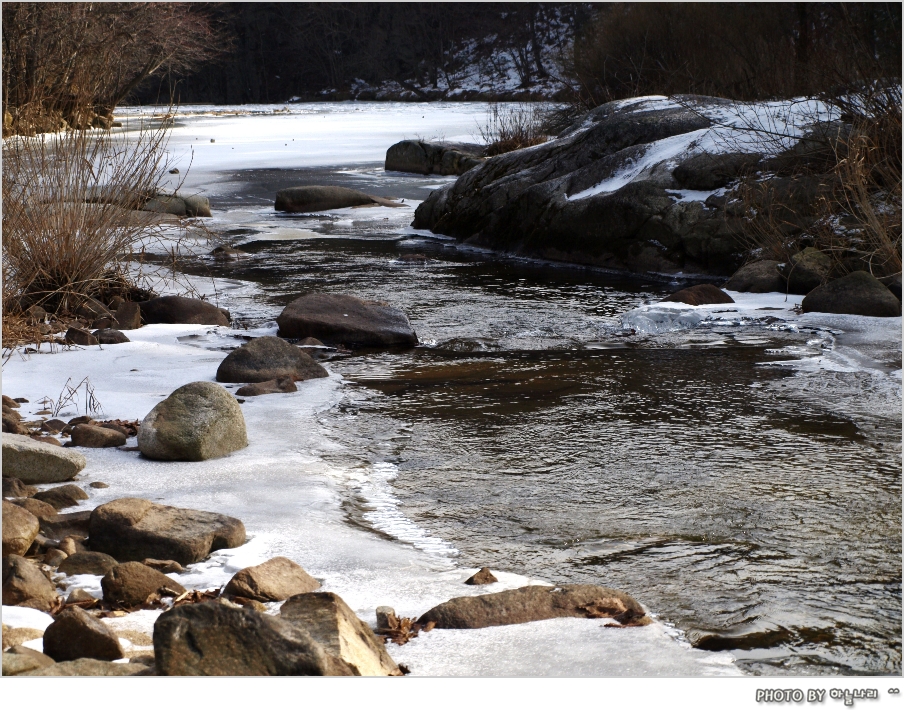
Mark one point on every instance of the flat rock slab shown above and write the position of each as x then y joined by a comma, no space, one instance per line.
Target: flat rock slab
35,462
135,529
90,667
212,639
274,580
268,358
19,529
316,198
198,421
535,603
130,584
178,309
341,319
335,626
76,634
858,293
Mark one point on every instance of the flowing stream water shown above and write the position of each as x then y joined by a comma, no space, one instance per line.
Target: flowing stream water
527,434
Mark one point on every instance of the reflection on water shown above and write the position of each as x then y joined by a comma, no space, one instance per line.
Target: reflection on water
530,437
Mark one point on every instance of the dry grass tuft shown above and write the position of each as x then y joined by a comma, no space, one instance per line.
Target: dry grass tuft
511,127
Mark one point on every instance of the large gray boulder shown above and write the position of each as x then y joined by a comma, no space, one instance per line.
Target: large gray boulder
136,529
858,293
178,309
132,584
19,529
212,639
335,626
198,421
24,584
758,277
316,198
427,158
274,580
534,603
76,634
268,358
35,462
347,320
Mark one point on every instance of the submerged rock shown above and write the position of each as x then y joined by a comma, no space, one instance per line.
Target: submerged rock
198,421
212,639
268,358
316,198
178,309
334,625
274,580
858,293
36,462
518,606
135,529
347,320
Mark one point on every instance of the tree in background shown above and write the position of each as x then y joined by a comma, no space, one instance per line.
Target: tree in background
72,63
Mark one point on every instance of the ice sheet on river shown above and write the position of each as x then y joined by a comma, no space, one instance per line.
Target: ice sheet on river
291,501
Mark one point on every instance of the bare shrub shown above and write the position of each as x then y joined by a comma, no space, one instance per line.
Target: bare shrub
509,127
69,202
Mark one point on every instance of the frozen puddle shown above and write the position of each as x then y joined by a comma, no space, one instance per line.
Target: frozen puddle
290,500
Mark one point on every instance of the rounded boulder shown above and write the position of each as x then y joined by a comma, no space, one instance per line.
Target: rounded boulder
268,358
198,421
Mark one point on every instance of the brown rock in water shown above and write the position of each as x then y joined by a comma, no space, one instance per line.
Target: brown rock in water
80,336
19,529
337,318
129,316
24,584
700,295
38,508
212,639
284,384
76,634
14,488
87,563
132,583
62,496
98,484
177,309
134,529
535,603
274,580
483,576
335,626
96,437
163,566
316,198
268,358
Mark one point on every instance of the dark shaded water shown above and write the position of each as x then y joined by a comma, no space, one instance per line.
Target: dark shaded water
533,438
